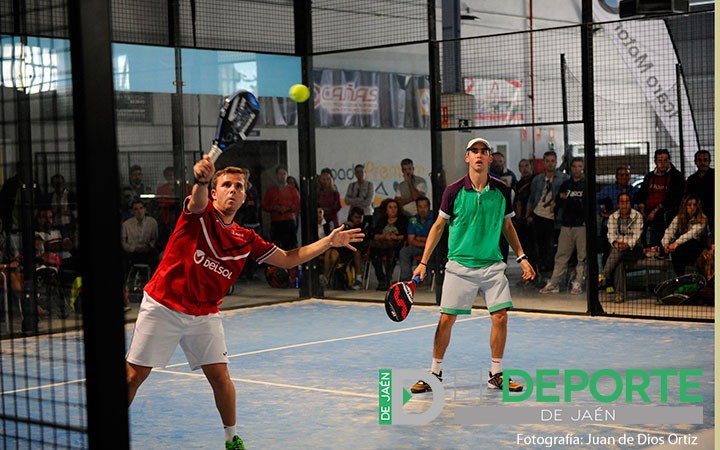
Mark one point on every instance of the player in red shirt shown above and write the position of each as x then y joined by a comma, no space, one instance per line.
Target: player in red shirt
204,256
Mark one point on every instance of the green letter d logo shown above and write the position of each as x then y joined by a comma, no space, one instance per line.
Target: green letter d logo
400,396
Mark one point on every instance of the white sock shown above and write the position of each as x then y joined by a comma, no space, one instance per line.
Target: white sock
496,365
436,366
230,432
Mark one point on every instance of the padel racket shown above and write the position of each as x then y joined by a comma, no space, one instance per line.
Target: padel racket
399,299
238,115
680,290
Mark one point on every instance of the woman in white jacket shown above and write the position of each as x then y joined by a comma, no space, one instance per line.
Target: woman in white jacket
684,238
625,226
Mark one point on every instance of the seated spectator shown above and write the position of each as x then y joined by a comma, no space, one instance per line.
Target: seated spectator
355,220
624,230
10,265
139,236
388,238
418,230
51,239
684,238
607,203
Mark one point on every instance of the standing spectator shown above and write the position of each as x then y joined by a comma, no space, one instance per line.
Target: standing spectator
540,213
168,207
388,238
139,236
329,197
136,181
360,193
64,205
282,201
410,189
248,216
684,239
570,202
607,204
659,197
418,230
499,170
702,184
520,206
624,230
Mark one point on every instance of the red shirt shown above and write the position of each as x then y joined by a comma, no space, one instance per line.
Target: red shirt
202,259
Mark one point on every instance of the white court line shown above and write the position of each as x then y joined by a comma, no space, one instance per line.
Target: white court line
269,383
35,388
347,338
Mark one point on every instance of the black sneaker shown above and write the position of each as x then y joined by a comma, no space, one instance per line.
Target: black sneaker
421,386
496,381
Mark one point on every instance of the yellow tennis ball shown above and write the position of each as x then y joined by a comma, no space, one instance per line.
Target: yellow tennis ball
299,92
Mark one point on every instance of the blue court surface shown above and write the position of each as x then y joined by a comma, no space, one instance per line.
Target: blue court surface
307,376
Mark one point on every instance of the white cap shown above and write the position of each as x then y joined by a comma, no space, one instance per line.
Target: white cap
475,141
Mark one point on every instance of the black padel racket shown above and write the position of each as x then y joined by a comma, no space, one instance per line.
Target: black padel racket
238,115
399,299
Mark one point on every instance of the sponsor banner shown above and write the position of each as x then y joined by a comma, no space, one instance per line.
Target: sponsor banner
497,102
357,99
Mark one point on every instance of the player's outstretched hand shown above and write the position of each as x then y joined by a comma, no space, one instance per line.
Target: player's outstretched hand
343,238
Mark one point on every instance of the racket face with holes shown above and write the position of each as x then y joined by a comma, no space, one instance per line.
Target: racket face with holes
237,118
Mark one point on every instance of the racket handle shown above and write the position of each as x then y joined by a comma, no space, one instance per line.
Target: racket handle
416,280
214,153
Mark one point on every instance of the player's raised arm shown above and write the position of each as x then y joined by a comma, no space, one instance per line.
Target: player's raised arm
203,172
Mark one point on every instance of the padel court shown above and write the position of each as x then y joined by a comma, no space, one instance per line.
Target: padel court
306,375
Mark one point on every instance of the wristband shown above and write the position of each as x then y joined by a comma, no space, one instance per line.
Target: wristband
422,263
201,183
521,259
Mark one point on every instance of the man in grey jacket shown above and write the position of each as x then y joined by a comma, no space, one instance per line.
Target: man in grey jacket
541,212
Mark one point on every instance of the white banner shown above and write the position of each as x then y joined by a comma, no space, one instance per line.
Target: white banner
648,51
497,102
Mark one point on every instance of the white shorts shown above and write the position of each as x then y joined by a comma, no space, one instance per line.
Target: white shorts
462,284
159,330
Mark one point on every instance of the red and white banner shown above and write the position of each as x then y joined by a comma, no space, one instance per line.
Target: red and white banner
497,102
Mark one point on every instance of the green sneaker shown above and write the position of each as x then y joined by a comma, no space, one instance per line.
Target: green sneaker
235,444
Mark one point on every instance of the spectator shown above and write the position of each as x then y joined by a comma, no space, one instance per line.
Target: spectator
388,238
624,230
136,181
570,202
607,204
522,195
139,236
329,197
11,201
659,197
360,193
355,220
10,265
52,239
248,216
684,239
540,213
282,201
168,207
410,189
64,205
418,230
702,184
499,170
